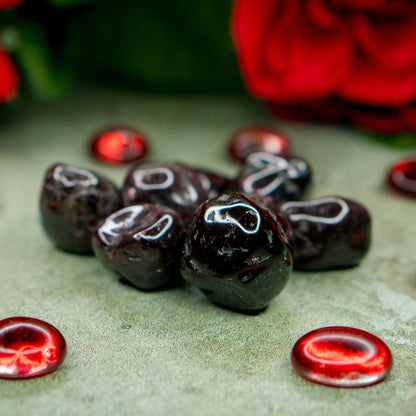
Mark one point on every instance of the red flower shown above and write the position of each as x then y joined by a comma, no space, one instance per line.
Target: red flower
9,4
9,78
338,60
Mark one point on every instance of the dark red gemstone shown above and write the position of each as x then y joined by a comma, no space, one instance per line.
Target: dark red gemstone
173,184
237,253
341,357
142,244
281,178
257,139
29,348
72,204
119,145
402,177
329,233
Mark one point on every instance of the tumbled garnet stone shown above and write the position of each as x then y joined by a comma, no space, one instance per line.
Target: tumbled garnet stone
73,202
257,139
237,253
173,184
281,178
329,232
29,348
142,244
119,145
341,357
402,177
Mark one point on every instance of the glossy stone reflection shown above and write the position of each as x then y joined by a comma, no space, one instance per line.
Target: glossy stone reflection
257,139
281,178
173,184
29,348
119,145
142,244
73,202
237,253
341,357
329,232
402,177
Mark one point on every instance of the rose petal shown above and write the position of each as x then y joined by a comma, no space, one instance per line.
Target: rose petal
389,42
393,9
292,112
328,109
276,45
383,120
409,115
318,60
323,15
357,5
9,4
377,120
255,28
379,86
8,77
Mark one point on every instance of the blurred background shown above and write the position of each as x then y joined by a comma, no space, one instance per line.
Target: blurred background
159,46
328,61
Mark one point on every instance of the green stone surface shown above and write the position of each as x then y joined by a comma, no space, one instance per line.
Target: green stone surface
173,352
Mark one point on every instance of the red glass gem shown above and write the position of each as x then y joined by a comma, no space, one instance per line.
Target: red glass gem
257,139
341,357
402,177
29,348
119,145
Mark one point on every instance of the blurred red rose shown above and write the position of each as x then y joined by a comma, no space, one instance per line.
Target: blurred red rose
337,60
9,4
9,78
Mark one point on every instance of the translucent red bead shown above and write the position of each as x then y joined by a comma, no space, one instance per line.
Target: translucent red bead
119,145
29,348
257,139
402,177
341,357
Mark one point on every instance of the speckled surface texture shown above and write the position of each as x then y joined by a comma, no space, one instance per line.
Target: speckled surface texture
173,352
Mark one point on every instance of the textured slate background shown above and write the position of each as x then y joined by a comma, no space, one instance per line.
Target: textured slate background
173,352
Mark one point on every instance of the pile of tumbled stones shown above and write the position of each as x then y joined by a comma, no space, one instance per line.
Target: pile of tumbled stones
237,240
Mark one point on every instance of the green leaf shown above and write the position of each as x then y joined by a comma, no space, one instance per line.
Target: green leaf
399,141
161,44
43,75
70,3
